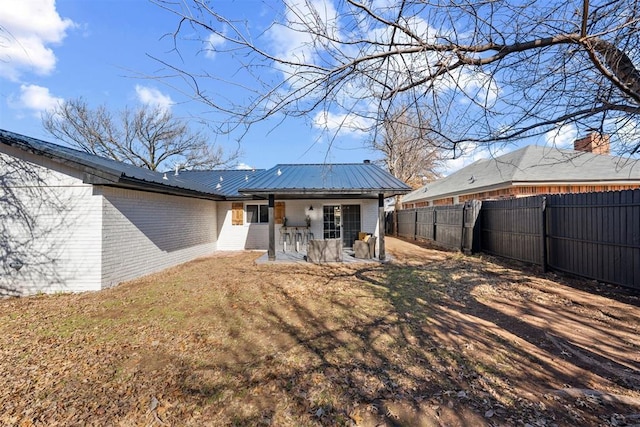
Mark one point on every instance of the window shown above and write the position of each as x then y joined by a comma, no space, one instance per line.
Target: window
257,214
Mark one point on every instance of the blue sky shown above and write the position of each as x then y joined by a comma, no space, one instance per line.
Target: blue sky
99,49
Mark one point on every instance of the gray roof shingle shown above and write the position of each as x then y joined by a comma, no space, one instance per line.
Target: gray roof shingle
532,164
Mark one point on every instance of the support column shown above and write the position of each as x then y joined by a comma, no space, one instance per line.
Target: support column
381,217
272,229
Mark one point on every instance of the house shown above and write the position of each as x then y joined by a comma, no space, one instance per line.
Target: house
72,221
533,170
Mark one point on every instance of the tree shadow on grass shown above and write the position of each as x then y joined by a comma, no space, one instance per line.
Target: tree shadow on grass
448,341
416,345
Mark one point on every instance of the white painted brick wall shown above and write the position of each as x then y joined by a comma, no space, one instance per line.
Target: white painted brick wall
240,237
256,236
146,232
51,223
82,237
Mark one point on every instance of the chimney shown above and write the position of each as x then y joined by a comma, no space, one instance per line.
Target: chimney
595,143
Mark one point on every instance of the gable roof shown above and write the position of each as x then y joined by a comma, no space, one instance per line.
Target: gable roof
325,180
530,165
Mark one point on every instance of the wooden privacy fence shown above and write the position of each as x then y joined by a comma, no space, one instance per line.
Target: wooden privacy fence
593,235
450,226
596,235
514,228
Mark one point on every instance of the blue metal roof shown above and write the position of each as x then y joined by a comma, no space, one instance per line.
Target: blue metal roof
325,180
101,170
224,182
310,180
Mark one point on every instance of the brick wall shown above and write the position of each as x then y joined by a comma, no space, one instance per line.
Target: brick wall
146,232
50,223
256,236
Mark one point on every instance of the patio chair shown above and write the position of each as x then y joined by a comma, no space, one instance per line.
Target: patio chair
365,248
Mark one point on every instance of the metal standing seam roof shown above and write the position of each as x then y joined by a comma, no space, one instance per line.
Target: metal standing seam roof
223,182
530,165
112,171
293,179
326,179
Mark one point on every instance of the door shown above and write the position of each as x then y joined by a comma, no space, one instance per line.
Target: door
331,221
350,224
342,221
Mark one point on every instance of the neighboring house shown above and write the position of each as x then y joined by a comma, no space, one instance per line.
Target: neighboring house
533,170
73,221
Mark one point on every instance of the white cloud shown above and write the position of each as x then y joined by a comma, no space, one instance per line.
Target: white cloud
244,166
27,29
562,136
152,96
212,44
35,98
341,124
293,40
472,154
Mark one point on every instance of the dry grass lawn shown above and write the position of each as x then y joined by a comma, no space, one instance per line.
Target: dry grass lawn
433,338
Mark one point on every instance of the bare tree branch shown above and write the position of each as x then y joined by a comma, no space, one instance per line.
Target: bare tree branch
150,137
483,72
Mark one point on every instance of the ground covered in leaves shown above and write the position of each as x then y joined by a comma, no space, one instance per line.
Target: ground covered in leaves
432,338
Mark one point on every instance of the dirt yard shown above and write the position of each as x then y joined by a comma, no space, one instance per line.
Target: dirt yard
431,339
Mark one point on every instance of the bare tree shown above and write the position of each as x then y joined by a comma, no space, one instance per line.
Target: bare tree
408,153
150,137
485,72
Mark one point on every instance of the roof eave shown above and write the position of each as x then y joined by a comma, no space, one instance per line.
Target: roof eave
325,191
138,184
578,181
460,193
108,174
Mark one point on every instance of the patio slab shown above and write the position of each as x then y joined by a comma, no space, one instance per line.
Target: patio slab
293,257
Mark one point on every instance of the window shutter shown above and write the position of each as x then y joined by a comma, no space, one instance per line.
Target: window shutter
279,212
237,213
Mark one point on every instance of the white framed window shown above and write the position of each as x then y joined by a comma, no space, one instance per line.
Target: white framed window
257,214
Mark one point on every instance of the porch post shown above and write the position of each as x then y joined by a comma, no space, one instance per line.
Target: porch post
272,229
381,252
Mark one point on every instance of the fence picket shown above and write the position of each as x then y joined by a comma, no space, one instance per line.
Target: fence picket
594,235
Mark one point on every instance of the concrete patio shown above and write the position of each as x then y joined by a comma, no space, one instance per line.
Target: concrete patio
300,257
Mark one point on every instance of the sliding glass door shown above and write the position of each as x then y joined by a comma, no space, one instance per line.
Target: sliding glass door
341,221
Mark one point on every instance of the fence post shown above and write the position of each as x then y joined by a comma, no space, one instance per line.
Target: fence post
433,225
415,225
543,233
464,211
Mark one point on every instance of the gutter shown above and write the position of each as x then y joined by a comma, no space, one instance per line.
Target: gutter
142,185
